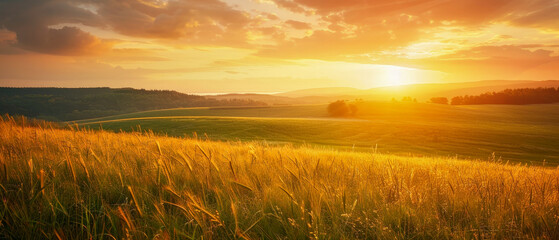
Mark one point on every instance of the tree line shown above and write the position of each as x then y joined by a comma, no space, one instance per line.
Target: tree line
517,96
66,104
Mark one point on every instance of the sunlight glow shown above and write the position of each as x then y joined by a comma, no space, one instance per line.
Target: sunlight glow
395,76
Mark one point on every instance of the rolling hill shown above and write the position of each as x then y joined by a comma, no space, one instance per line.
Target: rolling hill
62,104
526,134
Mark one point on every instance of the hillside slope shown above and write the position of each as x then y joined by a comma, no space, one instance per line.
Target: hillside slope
80,184
65,104
527,133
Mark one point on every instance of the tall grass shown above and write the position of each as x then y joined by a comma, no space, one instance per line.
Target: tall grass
83,184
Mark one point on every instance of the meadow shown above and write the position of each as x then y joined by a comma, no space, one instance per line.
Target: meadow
527,134
87,184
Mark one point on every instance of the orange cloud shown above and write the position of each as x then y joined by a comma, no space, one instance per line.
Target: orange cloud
469,12
31,22
198,22
298,24
209,22
335,45
494,62
365,26
544,17
64,41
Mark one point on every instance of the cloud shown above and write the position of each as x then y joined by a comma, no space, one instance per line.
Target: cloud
8,43
463,12
32,22
337,43
547,17
361,27
511,52
345,27
494,62
290,5
64,41
209,22
298,25
49,70
49,26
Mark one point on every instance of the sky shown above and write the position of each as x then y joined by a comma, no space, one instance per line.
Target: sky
213,46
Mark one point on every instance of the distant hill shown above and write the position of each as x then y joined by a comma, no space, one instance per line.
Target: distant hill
422,92
268,98
332,91
64,104
274,99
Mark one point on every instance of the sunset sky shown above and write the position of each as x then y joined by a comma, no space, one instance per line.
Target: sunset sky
201,46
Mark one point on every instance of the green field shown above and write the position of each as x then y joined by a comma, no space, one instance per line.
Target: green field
527,133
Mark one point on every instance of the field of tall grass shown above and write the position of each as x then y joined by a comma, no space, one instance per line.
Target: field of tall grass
85,184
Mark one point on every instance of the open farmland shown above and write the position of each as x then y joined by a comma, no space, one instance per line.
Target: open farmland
527,133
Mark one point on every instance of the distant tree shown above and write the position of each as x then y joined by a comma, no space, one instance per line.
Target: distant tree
407,99
339,109
457,100
353,109
439,100
342,108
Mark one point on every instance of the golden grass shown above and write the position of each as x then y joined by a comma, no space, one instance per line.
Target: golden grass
81,184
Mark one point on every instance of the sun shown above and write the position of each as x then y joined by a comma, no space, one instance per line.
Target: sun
391,75
395,76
